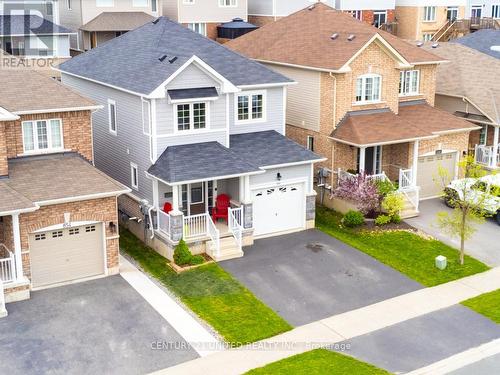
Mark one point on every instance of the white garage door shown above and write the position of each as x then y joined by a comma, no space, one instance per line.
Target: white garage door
278,208
428,173
66,254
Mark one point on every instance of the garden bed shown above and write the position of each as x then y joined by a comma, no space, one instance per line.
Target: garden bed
180,269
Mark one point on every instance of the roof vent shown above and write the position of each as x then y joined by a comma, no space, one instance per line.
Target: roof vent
435,45
420,44
172,60
311,7
156,20
162,58
334,36
351,37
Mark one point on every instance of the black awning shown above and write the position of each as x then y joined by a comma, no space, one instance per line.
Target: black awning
196,93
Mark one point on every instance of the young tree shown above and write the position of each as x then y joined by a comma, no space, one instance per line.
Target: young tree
466,199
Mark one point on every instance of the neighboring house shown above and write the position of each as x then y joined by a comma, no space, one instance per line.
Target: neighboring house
58,214
485,41
188,120
376,12
483,9
472,93
31,36
204,16
364,99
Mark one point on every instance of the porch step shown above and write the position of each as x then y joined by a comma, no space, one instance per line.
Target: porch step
228,249
408,213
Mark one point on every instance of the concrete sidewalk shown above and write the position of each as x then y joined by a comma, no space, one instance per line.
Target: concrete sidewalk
341,327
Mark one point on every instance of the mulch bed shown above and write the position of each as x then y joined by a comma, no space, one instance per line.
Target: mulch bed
370,225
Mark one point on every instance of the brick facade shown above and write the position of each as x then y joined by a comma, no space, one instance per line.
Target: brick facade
77,132
4,166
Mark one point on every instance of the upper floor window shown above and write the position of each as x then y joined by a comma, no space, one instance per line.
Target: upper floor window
140,3
310,143
495,11
368,88
112,116
134,176
42,136
104,3
191,116
430,13
250,107
200,28
154,6
409,82
228,3
69,4
358,14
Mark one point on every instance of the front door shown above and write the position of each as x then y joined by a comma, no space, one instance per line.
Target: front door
476,11
373,160
369,158
379,18
197,198
452,14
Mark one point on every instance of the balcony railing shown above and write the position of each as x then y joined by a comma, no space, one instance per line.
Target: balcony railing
485,155
7,265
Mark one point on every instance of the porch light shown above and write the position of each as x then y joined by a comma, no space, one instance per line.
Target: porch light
278,176
112,227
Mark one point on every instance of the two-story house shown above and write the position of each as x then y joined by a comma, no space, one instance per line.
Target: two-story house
189,123
376,12
58,214
204,16
364,99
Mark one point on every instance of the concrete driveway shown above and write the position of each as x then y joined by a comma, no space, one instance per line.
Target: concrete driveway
97,327
484,245
309,275
421,341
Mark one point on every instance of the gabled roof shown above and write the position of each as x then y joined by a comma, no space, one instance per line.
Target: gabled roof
469,74
132,61
482,40
117,21
305,39
27,91
29,24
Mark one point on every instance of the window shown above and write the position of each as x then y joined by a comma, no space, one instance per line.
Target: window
483,136
310,142
74,231
358,14
495,11
368,88
40,237
430,14
200,28
379,18
427,37
42,136
192,116
49,9
57,234
104,3
188,2
408,82
476,11
146,117
112,116
228,3
69,5
154,6
90,228
197,193
134,176
250,107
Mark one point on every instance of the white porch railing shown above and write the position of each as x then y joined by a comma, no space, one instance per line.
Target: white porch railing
379,177
235,225
485,155
344,175
7,266
213,233
196,225
405,179
164,222
3,311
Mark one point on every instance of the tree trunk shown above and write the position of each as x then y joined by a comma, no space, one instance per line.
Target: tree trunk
462,237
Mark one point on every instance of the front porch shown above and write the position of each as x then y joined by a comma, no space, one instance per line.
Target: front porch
487,151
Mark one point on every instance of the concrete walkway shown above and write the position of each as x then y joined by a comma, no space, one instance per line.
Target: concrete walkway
186,325
341,327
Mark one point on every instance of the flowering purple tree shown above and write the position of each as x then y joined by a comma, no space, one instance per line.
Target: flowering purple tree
361,190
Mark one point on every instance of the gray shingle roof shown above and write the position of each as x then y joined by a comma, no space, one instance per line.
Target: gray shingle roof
202,92
270,148
27,24
482,40
117,21
199,161
132,62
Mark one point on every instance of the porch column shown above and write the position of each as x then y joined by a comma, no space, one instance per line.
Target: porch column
246,202
176,216
175,198
362,159
17,246
496,134
415,163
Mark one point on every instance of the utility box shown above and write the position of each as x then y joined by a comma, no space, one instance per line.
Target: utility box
441,262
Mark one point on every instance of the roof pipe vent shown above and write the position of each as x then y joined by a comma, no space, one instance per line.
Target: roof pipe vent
351,37
311,7
162,58
172,60
435,45
334,36
156,20
420,43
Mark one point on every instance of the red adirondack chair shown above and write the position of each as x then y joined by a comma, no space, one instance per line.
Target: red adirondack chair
167,207
222,203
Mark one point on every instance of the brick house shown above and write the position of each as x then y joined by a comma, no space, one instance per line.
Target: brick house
364,99
58,214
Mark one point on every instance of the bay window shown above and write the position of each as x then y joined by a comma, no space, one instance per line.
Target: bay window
408,82
368,88
42,136
191,116
250,107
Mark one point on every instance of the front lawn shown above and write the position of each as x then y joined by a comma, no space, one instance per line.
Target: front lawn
213,294
487,304
406,252
319,361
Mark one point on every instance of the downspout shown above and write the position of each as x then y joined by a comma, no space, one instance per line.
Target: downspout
334,123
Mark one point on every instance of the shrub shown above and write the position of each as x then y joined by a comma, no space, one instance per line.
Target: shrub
382,220
396,219
353,219
196,259
182,255
361,190
385,187
393,204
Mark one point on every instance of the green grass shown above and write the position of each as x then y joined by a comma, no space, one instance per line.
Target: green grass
406,252
213,294
487,304
319,361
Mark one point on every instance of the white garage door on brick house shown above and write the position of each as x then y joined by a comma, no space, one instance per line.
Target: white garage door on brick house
278,208
428,176
61,255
